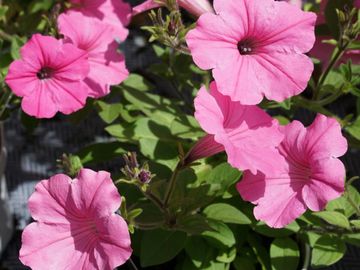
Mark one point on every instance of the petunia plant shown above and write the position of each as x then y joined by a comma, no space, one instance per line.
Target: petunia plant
228,150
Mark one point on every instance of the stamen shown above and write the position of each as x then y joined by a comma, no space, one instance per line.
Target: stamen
245,47
44,73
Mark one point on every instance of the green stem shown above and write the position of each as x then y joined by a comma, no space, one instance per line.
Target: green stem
3,105
5,36
307,256
336,55
155,200
171,185
133,265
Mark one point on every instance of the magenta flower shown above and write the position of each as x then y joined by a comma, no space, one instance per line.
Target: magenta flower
76,227
247,134
195,7
107,65
255,48
49,77
117,13
312,175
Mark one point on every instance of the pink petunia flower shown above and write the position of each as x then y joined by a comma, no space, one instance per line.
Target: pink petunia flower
49,77
195,7
114,12
107,66
247,134
255,48
76,227
312,176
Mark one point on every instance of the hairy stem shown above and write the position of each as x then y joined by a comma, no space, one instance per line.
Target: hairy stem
307,255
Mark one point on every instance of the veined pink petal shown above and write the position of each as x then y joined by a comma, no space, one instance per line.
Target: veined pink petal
311,177
247,133
107,65
116,13
76,227
195,7
255,48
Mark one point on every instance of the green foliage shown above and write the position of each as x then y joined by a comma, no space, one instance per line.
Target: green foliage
327,250
284,253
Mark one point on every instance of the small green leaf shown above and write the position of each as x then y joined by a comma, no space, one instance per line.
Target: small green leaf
101,152
226,213
221,236
354,128
334,218
327,251
109,112
193,224
137,82
159,246
284,253
263,229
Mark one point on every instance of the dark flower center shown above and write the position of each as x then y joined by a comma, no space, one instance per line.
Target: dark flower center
245,47
44,73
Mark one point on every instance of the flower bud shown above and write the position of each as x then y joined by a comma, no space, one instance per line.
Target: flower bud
196,7
205,147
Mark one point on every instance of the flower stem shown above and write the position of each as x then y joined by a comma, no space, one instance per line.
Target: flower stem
336,55
171,186
307,256
5,36
133,265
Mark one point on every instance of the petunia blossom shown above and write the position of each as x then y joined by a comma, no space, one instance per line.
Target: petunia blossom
247,134
76,226
49,76
255,48
195,7
107,65
312,174
117,13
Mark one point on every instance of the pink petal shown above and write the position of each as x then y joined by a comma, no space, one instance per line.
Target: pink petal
115,241
208,112
86,33
22,78
294,70
324,138
40,50
41,102
212,42
249,135
48,246
96,192
326,184
69,96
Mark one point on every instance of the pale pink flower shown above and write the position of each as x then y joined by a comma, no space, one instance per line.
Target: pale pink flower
255,48
114,12
312,175
49,77
107,65
76,226
247,134
195,7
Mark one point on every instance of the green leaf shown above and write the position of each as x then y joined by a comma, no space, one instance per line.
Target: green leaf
16,43
200,252
243,263
284,253
222,177
109,112
193,224
227,256
221,236
101,152
226,213
264,229
354,128
342,204
260,251
334,218
137,82
327,251
159,246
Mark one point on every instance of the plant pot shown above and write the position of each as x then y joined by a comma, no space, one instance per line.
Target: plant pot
6,219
